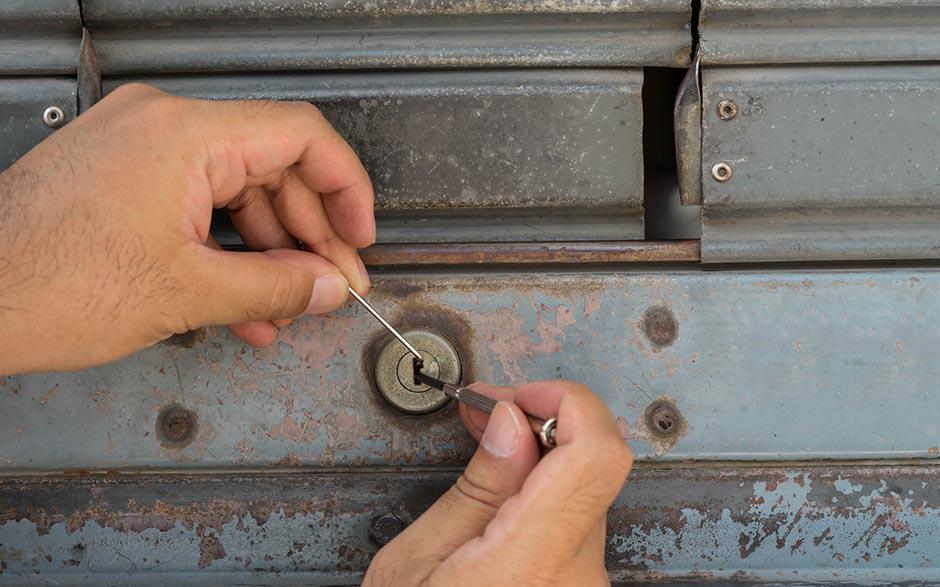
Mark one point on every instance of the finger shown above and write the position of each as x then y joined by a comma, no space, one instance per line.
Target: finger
234,287
257,223
574,484
255,139
508,452
257,333
475,420
301,212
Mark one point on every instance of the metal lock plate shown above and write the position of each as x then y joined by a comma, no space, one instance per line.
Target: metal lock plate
394,375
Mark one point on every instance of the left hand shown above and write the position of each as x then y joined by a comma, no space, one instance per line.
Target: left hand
104,227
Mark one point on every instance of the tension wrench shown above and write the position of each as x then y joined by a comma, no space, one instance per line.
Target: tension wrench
543,429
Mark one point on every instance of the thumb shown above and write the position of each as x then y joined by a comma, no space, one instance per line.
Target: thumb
270,285
507,454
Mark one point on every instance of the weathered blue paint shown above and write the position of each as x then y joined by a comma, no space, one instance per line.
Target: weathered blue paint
858,524
793,365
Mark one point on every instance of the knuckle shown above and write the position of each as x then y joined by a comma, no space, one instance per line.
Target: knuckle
133,90
282,300
307,108
468,487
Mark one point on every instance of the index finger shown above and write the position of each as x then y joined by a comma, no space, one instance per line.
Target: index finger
248,141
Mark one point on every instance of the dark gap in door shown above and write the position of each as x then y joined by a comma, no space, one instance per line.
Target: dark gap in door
665,218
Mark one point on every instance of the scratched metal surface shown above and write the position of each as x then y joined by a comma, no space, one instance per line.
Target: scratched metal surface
22,103
795,365
200,36
39,37
851,524
829,163
478,156
818,31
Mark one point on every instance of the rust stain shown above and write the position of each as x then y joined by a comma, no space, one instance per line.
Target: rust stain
294,431
210,549
49,394
187,340
536,253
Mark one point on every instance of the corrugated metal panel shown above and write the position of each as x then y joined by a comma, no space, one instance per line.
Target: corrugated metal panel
227,35
829,163
740,355
850,524
22,103
480,156
818,31
39,37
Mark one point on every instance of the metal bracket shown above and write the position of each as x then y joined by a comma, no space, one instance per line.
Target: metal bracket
687,117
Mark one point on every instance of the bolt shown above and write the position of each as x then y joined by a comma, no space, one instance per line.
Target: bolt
662,419
176,426
727,109
386,527
53,117
660,325
722,172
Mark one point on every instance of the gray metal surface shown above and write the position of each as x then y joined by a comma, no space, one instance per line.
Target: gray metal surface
792,365
201,36
829,163
39,37
818,31
479,156
22,103
839,524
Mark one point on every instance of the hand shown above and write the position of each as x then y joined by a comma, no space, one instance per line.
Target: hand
104,227
512,519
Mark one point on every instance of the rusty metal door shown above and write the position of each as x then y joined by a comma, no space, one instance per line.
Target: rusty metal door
776,376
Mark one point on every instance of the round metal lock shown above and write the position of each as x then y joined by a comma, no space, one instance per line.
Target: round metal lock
394,371
53,117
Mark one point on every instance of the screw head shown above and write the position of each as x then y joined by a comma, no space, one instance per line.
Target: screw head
53,117
722,172
660,326
384,528
176,426
727,110
663,420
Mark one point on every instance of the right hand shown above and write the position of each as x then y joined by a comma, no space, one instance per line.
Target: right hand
512,519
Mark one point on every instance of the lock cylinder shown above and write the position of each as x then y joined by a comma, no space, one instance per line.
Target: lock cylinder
394,371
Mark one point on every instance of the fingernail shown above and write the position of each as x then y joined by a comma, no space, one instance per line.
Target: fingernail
329,292
502,432
362,272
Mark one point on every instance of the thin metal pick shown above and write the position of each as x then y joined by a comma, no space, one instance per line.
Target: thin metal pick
385,323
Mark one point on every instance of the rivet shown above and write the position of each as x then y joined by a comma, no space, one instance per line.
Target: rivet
386,527
176,426
662,419
53,117
722,172
660,326
727,109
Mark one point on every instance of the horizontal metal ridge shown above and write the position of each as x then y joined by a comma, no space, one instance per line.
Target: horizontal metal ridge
818,31
227,35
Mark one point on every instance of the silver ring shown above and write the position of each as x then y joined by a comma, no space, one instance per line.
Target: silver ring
547,433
